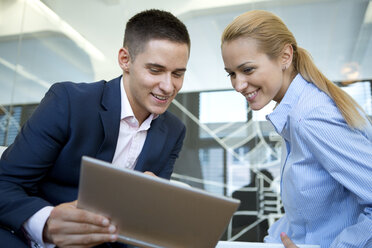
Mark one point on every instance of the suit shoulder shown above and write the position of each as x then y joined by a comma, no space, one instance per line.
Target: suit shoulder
172,120
80,93
72,87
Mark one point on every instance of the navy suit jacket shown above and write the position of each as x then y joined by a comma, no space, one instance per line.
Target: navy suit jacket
42,166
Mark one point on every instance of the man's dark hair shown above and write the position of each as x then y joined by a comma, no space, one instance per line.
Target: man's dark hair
153,24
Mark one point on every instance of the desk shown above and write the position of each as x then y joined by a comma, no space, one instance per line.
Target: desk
230,244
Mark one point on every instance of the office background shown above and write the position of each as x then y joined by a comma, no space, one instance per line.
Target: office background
229,149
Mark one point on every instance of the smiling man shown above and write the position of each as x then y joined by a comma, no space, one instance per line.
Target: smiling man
123,121
153,78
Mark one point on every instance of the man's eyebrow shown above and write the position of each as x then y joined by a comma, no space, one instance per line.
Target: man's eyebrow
163,67
154,65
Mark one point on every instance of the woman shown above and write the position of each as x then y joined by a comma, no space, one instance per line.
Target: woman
326,177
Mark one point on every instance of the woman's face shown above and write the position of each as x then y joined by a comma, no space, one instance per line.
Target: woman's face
257,77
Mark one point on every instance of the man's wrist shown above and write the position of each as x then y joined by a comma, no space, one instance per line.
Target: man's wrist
35,226
46,236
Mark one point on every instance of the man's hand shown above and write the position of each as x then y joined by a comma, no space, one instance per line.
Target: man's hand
68,226
150,173
287,242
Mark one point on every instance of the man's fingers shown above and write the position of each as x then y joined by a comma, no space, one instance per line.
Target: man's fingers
68,212
92,239
83,216
74,203
67,223
287,242
150,173
80,228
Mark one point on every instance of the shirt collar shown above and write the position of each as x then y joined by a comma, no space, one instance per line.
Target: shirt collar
127,112
280,114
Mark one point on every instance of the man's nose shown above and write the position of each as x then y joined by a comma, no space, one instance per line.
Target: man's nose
166,84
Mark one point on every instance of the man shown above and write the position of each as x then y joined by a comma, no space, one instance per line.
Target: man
123,121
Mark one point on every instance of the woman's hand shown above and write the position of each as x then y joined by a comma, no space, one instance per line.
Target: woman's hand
287,242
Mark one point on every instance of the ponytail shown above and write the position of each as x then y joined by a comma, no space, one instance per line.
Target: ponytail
348,107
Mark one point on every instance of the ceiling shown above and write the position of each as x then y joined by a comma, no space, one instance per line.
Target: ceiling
42,42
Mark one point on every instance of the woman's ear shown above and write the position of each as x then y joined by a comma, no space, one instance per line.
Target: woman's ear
124,59
287,56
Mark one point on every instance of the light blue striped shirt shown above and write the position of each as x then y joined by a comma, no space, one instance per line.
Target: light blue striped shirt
326,177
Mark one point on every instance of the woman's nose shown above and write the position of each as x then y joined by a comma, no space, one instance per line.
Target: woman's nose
240,85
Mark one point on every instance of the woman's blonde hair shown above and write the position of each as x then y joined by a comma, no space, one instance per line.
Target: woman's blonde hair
272,35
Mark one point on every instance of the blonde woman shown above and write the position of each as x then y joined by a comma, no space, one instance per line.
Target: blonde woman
326,176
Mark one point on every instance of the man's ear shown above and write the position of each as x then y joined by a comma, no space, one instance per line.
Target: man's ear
287,56
124,59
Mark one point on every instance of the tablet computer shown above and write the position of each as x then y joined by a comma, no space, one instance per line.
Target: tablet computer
153,212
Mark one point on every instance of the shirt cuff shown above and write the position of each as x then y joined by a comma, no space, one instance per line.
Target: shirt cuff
34,226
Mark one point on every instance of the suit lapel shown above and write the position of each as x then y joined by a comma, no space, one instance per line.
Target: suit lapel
153,147
110,118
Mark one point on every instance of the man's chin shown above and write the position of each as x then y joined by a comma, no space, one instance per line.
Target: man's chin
158,111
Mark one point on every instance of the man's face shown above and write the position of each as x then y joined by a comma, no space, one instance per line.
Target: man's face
154,78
